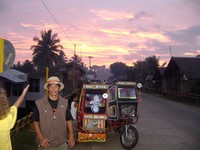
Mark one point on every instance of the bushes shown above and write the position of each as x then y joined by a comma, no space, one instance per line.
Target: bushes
24,140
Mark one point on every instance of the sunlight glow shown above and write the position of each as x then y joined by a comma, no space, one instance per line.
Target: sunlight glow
25,25
114,32
156,36
189,54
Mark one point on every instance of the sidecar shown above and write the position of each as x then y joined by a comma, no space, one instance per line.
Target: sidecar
92,113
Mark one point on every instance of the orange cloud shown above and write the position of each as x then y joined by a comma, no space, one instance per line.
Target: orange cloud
25,25
111,15
155,36
114,32
190,54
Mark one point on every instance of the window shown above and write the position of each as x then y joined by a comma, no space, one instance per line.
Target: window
112,111
17,89
34,85
112,94
95,101
126,92
8,88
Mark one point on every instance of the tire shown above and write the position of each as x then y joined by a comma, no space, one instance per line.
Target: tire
129,141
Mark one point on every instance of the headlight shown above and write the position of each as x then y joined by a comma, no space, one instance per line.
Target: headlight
95,108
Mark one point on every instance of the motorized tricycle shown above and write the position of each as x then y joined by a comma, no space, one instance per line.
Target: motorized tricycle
122,111
104,109
92,113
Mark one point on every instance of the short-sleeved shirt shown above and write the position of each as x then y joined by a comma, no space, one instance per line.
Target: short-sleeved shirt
6,125
73,110
54,105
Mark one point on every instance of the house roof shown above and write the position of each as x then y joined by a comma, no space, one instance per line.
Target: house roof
14,76
190,66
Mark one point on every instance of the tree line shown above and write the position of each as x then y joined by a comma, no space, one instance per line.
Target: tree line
138,72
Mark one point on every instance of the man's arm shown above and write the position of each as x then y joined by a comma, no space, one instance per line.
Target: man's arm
44,142
71,140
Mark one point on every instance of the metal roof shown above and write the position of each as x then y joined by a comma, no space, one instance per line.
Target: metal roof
14,76
190,66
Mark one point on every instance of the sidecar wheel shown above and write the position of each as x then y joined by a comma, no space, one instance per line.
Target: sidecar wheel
130,140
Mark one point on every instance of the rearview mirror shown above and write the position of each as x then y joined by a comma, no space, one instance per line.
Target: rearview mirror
139,85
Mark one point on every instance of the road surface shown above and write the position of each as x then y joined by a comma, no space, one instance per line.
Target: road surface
163,125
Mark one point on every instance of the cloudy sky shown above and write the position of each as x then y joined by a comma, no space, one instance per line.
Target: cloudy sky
108,30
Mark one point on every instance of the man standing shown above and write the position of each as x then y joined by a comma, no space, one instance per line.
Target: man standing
74,107
52,117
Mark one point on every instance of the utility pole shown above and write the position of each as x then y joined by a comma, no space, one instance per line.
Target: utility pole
90,61
170,50
74,50
74,67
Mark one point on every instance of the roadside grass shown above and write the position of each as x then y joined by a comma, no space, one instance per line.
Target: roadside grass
24,140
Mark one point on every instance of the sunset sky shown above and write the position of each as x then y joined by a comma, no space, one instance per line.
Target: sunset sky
108,30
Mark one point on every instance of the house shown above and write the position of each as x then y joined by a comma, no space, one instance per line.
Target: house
72,75
14,82
182,74
157,78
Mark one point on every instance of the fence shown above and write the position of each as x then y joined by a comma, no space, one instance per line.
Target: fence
22,123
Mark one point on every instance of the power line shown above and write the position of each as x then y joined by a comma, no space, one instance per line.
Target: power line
63,30
57,22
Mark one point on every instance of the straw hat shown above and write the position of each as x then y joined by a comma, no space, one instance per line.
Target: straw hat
53,80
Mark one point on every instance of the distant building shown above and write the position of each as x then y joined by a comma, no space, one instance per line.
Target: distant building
102,73
13,81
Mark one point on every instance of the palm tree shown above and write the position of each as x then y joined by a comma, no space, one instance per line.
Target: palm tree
48,52
63,58
76,59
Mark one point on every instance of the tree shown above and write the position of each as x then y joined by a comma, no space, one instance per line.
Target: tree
139,71
152,64
118,69
48,52
142,69
76,59
26,67
130,74
17,66
198,56
63,58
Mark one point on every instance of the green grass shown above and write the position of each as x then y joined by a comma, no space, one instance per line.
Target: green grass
24,140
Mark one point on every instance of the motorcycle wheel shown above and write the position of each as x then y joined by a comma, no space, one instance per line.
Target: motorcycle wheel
129,140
